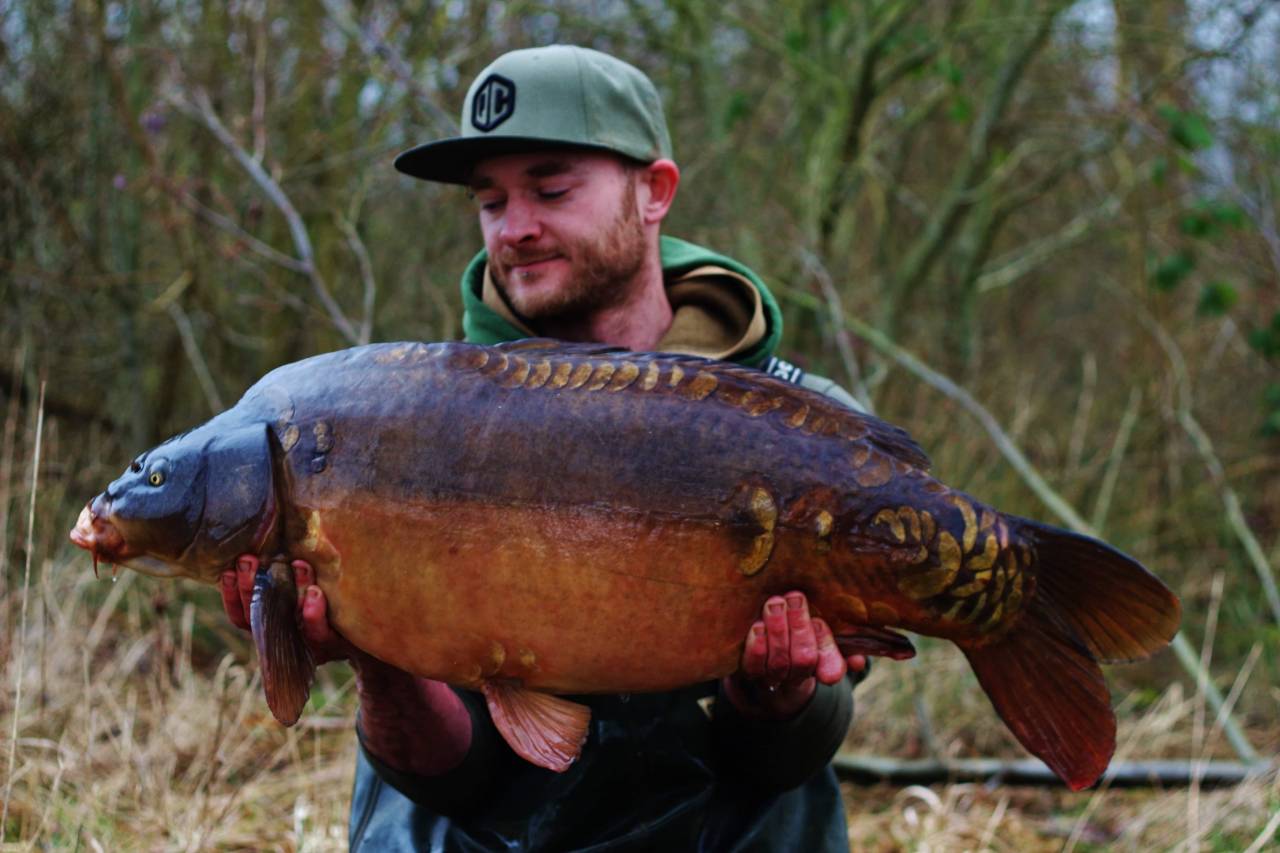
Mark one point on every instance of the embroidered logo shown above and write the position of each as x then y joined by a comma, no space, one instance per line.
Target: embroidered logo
784,370
494,103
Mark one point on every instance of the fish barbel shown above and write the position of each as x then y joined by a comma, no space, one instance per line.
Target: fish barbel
540,518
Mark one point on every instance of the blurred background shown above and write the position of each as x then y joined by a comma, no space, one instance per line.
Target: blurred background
1042,236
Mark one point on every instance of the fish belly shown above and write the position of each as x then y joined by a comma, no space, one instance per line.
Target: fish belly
588,600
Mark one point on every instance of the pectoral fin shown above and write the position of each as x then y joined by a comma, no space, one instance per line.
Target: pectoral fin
542,729
875,641
285,660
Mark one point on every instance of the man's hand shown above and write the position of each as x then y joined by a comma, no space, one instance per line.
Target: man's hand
786,654
325,643
410,723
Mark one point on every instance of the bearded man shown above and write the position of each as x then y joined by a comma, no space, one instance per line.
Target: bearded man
566,153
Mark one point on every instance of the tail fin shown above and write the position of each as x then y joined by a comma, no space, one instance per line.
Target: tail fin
1119,610
1090,603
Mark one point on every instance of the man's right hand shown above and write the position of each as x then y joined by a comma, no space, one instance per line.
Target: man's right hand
412,724
325,643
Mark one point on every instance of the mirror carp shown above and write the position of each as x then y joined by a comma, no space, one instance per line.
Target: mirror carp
540,518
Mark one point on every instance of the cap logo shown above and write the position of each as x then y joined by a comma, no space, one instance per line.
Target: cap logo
494,103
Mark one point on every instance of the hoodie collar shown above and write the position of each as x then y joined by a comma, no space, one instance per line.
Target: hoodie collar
721,308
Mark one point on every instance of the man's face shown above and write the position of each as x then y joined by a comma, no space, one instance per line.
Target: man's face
563,232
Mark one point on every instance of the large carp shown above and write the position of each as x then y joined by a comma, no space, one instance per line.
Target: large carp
539,518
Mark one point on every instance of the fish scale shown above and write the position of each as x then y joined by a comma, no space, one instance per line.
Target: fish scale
541,518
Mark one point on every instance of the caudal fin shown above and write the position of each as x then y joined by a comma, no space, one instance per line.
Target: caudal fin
1091,603
1119,610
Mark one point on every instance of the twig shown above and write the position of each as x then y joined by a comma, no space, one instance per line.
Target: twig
217,219
1055,503
373,45
6,479
1263,837
366,275
1197,720
260,87
1200,440
874,769
836,310
202,110
1084,408
1102,506
196,357
22,625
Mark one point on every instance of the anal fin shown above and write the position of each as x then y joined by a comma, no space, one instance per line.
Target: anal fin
1050,692
542,729
875,641
285,660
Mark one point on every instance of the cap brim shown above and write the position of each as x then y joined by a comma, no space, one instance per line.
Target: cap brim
450,161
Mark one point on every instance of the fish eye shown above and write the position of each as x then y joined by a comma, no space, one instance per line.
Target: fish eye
156,478
158,473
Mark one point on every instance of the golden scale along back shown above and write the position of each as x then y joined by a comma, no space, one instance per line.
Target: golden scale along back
539,518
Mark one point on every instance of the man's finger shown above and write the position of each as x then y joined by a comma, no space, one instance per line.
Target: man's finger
231,599
246,569
754,652
315,618
804,645
831,664
303,577
775,625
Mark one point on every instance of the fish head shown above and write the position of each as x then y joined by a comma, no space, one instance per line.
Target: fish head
186,508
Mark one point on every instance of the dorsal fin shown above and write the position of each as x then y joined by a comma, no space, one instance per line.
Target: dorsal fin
566,347
887,438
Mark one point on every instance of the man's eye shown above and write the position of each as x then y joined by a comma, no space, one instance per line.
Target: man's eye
548,195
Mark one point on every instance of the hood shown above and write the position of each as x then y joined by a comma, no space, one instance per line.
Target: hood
722,308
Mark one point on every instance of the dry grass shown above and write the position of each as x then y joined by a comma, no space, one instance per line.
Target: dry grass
141,725
140,731
134,737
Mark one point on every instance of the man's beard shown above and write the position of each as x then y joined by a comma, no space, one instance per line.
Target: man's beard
601,270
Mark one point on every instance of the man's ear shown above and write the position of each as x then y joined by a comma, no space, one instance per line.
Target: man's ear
660,178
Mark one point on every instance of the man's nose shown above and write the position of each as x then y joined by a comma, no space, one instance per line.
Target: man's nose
519,222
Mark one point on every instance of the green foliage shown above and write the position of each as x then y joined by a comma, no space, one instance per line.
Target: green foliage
1216,299
961,109
1159,170
1266,340
1172,270
1210,218
1188,129
1271,410
737,109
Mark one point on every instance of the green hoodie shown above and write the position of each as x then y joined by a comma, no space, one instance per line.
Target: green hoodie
482,325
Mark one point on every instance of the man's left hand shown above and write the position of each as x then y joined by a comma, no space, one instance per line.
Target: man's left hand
786,654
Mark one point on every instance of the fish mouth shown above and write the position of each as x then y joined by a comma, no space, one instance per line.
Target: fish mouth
95,533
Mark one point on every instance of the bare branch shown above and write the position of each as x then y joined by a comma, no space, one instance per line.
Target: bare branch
169,302
950,209
373,45
218,220
1204,446
1055,502
874,770
19,670
202,110
366,275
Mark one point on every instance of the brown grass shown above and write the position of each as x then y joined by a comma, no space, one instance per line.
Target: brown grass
141,726
139,730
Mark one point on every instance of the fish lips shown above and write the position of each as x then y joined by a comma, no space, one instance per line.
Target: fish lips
95,532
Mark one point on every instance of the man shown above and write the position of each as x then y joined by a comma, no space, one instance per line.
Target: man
566,153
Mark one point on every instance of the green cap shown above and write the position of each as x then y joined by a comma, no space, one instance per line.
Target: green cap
548,97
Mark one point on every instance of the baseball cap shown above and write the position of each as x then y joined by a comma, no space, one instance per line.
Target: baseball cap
548,97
